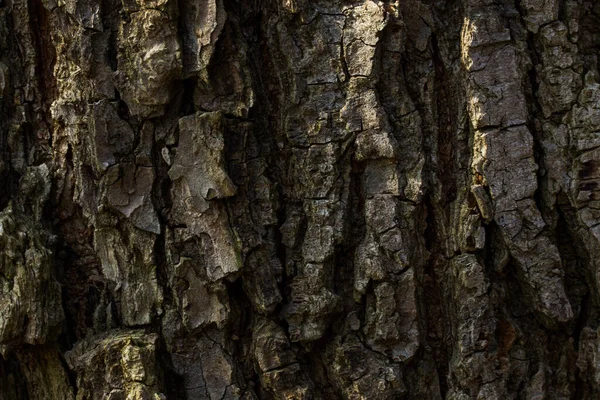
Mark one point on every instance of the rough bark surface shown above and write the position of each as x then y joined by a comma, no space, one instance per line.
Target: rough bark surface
298,199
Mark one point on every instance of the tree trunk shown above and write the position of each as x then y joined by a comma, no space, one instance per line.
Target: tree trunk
294,199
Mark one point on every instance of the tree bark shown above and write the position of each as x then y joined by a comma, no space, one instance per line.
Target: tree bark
294,199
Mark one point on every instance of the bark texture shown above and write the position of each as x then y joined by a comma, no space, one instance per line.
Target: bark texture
299,199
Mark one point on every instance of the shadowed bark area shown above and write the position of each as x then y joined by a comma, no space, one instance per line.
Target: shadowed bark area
294,199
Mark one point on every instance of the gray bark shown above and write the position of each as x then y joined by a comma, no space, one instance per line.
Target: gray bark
293,199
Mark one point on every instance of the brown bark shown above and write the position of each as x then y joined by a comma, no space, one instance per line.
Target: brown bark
293,199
